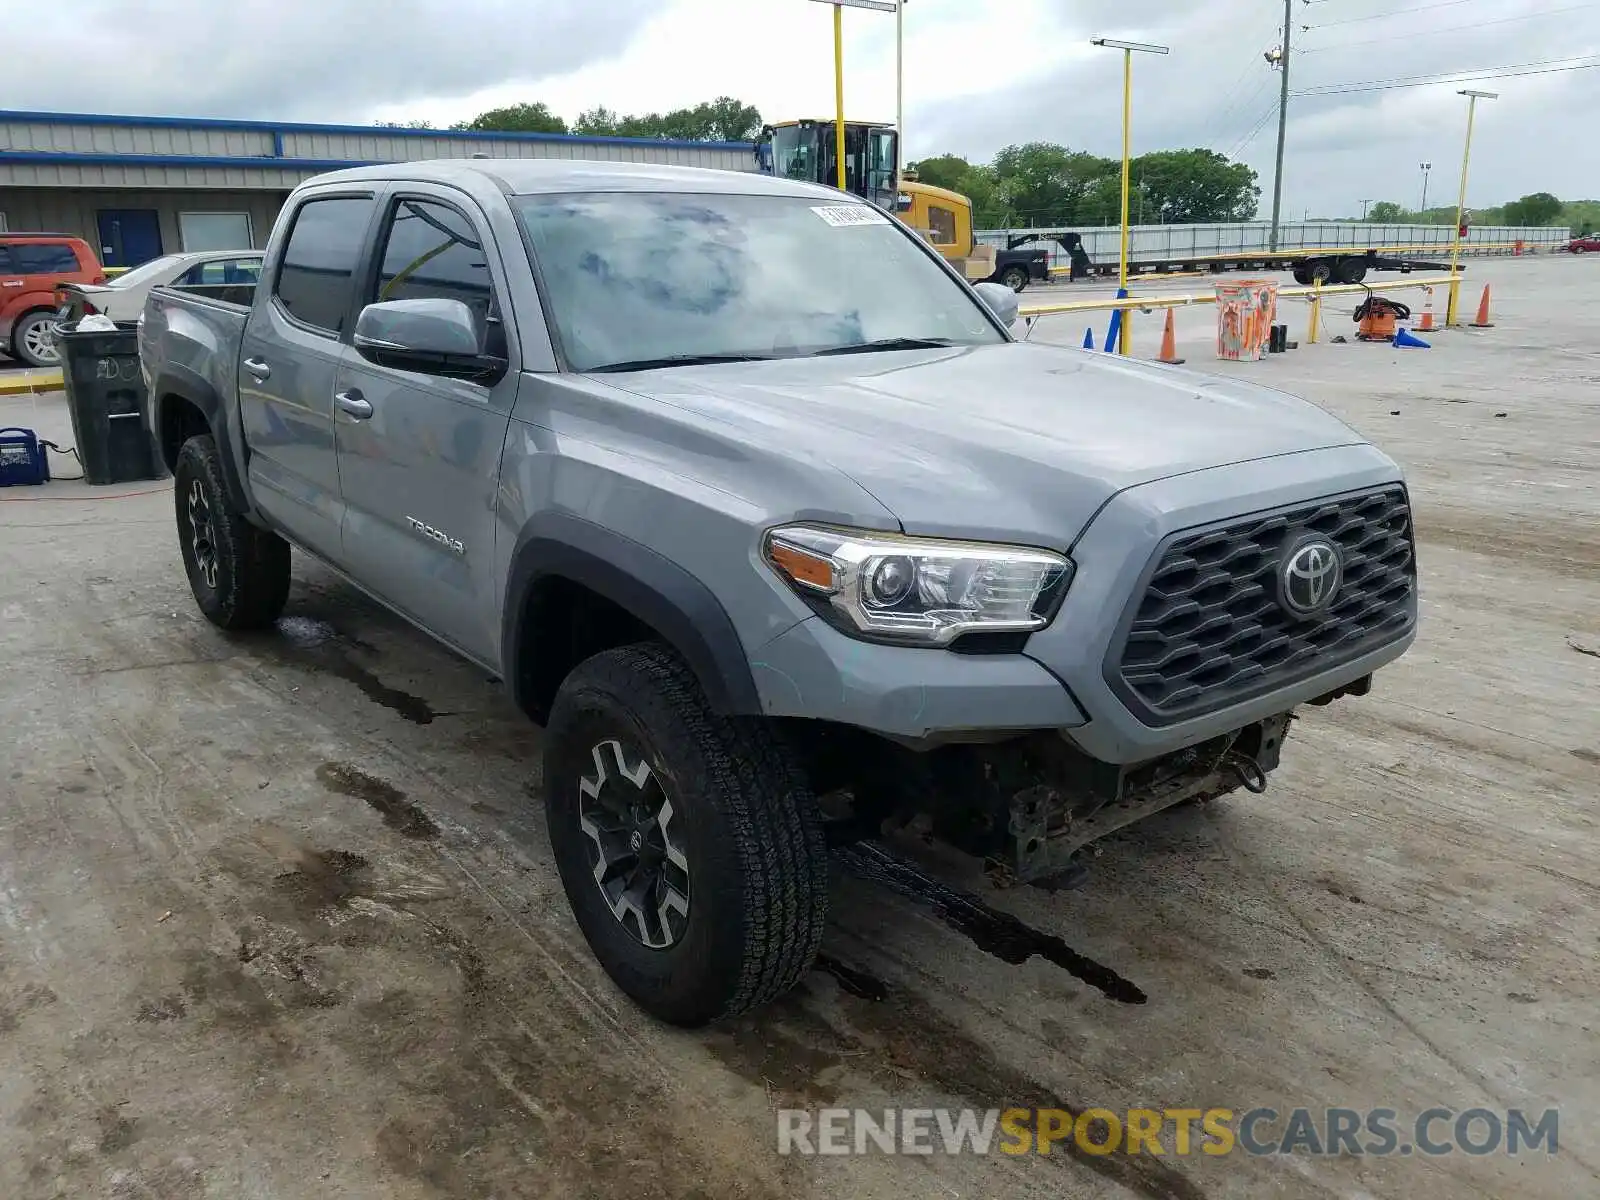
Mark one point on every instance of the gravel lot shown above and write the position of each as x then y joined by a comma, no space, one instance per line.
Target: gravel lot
278,919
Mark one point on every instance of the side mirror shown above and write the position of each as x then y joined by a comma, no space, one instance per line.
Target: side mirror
432,336
1000,300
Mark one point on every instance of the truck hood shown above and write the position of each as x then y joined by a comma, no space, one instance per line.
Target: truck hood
1007,442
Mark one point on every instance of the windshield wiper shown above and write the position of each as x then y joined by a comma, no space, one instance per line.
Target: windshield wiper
899,343
680,360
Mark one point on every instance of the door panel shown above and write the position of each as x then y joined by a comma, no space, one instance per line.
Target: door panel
419,475
419,479
289,364
129,236
287,415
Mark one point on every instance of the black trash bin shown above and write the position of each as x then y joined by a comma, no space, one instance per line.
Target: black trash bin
105,393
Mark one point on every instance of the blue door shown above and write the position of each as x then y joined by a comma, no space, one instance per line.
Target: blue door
129,236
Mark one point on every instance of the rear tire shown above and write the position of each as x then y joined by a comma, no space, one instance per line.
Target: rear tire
1352,270
239,573
1320,271
30,340
1015,278
1302,277
689,844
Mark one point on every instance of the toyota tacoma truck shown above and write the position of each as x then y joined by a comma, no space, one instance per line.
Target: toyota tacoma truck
762,513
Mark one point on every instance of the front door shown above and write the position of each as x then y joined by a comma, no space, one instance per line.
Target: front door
289,365
129,236
419,454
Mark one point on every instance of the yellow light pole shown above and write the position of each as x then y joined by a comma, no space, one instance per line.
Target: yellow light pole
1461,206
838,71
1127,49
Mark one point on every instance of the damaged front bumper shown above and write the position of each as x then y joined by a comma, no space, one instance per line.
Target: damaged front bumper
1030,805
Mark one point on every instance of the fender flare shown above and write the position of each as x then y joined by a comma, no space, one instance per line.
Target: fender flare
631,575
178,382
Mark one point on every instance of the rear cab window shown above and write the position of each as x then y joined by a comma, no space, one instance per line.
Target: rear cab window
315,282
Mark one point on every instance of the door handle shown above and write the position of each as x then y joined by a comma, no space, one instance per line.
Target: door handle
12,283
257,367
353,403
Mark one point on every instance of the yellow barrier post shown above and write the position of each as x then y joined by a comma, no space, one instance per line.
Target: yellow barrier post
1127,49
1316,313
1473,97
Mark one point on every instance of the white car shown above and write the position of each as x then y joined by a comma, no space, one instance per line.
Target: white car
213,272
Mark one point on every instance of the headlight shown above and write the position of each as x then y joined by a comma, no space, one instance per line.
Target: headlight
919,590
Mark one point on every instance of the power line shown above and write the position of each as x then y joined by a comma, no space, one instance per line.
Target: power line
1426,81
1388,16
1543,62
1453,28
1254,131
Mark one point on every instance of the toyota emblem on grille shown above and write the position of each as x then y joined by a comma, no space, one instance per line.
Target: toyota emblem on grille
1310,577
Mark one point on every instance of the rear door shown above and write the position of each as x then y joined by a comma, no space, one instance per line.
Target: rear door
289,363
419,454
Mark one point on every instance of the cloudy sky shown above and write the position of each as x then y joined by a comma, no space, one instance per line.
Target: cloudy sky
979,74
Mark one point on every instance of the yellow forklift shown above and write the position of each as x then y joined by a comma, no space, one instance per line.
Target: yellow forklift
806,149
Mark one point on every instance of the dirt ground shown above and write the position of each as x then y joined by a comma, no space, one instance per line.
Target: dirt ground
278,919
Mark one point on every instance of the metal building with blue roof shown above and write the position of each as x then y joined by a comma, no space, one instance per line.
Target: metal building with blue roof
136,187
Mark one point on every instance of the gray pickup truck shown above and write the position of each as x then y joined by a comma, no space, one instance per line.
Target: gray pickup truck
765,516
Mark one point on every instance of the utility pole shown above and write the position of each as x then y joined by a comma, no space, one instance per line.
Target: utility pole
1283,119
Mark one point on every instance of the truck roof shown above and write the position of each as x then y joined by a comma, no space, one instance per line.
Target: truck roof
522,176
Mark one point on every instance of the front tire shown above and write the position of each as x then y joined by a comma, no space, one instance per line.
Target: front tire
1015,278
689,844
239,573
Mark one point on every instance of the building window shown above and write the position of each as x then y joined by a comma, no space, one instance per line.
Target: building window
942,223
314,279
215,231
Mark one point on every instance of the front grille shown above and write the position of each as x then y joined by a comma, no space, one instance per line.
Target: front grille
1209,629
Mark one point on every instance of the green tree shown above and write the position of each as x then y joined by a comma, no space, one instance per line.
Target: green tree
1044,184
721,120
1539,208
1187,186
1387,212
516,118
942,170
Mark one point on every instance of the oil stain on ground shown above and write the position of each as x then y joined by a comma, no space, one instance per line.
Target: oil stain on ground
312,643
388,801
998,933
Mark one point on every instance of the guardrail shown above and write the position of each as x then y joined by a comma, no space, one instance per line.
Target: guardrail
1315,293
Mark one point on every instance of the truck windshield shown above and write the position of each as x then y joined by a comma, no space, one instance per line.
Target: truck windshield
654,277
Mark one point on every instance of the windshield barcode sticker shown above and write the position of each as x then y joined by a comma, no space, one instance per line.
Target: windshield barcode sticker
842,216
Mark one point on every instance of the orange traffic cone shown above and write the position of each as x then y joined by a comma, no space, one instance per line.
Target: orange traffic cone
1426,324
1169,344
1483,321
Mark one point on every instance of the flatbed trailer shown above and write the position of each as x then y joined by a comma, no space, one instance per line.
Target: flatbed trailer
1330,264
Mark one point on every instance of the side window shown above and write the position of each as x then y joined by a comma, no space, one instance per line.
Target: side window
432,252
8,266
44,258
942,222
315,279
222,271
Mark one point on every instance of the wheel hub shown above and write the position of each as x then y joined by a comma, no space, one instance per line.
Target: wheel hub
202,534
636,858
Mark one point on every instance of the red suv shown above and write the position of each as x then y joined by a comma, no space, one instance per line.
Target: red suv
1588,243
31,265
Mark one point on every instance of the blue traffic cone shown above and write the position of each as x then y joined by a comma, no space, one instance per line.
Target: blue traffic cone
1405,339
1088,338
